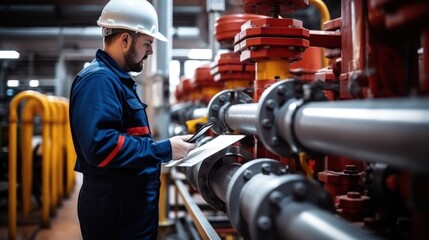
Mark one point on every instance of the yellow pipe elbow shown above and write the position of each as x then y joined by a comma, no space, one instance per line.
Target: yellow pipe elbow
13,126
324,17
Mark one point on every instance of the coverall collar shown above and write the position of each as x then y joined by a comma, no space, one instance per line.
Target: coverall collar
124,76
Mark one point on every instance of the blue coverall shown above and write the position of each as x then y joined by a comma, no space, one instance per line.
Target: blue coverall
116,154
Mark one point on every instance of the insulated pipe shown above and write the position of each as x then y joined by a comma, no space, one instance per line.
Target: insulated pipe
392,131
242,118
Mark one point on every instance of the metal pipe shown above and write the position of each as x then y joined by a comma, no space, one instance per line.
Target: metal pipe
392,131
46,161
324,17
31,108
242,117
199,113
200,220
305,221
221,178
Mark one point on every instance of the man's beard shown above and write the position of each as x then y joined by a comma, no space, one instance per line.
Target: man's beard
130,64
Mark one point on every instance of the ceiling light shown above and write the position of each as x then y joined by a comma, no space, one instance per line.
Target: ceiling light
200,54
33,83
12,83
9,54
187,31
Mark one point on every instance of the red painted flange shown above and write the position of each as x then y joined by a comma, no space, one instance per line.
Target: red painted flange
226,27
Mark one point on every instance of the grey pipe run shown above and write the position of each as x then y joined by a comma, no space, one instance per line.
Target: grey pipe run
304,221
199,113
294,201
241,117
263,202
222,178
394,131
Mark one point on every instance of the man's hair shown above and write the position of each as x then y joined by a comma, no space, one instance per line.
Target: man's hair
109,39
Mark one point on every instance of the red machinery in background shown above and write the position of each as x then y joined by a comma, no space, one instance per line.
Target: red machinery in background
345,135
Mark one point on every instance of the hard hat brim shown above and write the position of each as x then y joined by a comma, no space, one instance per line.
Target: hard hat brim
158,36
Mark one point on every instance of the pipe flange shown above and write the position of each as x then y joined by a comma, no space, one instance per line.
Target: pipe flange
220,103
208,166
269,106
264,196
245,173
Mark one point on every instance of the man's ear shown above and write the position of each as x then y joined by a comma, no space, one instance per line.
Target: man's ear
125,40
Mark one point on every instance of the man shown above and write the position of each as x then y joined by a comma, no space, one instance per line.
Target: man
119,160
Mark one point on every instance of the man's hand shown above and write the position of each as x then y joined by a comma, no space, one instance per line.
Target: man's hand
180,147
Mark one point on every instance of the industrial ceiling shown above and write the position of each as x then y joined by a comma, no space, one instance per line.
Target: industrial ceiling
44,30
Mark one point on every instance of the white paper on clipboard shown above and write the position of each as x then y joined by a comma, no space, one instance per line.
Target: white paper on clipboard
200,153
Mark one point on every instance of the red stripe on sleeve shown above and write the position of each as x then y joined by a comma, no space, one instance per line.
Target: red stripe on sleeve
138,131
115,151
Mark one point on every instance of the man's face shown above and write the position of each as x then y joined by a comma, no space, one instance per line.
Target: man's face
140,49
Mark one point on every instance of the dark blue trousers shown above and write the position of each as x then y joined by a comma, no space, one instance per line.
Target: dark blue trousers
118,212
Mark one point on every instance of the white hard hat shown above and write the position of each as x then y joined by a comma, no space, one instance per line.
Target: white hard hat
135,15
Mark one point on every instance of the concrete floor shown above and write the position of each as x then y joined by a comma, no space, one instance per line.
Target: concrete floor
65,224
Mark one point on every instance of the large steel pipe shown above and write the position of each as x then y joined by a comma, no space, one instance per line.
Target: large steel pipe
262,200
221,178
220,106
305,221
394,131
292,207
241,117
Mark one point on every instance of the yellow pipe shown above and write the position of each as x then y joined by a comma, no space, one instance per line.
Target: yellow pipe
46,161
13,126
192,124
29,111
303,160
58,152
272,69
54,155
324,17
234,84
163,220
69,148
71,155
63,149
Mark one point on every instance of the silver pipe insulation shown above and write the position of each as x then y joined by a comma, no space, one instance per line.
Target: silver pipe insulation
241,117
392,131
